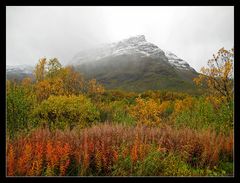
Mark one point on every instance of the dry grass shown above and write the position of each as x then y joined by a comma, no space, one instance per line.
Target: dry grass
99,147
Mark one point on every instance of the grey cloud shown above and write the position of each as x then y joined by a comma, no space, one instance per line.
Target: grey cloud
193,33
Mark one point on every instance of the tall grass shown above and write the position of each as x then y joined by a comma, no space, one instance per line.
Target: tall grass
108,149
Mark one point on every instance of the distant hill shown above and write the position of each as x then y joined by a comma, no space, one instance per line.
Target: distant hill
18,72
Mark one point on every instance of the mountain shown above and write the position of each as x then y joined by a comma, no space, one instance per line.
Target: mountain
132,64
135,64
18,72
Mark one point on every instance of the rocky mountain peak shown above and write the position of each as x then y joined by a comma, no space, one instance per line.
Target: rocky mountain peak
135,39
133,46
178,62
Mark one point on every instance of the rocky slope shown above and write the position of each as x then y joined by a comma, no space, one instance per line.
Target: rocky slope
135,64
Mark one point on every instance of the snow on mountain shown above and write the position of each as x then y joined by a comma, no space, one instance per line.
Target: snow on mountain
26,69
133,45
177,62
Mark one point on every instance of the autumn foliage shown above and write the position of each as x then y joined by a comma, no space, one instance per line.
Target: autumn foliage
96,150
148,112
66,112
61,124
218,76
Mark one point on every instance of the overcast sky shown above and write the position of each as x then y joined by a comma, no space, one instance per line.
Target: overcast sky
192,33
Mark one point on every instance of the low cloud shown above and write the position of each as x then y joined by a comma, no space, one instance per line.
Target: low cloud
192,33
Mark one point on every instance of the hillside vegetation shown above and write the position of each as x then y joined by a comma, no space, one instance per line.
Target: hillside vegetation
62,124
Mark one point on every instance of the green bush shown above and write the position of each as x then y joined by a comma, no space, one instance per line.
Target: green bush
156,163
67,111
225,116
120,114
116,112
203,115
19,106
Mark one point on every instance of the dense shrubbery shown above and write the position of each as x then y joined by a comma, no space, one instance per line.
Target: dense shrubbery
203,115
122,151
66,111
19,106
116,112
61,124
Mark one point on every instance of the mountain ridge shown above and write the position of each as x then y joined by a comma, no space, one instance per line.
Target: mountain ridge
136,44
130,64
135,64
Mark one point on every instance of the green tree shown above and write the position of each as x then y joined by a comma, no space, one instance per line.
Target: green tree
19,106
73,82
53,67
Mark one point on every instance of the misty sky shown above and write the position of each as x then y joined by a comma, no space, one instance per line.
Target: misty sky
192,33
